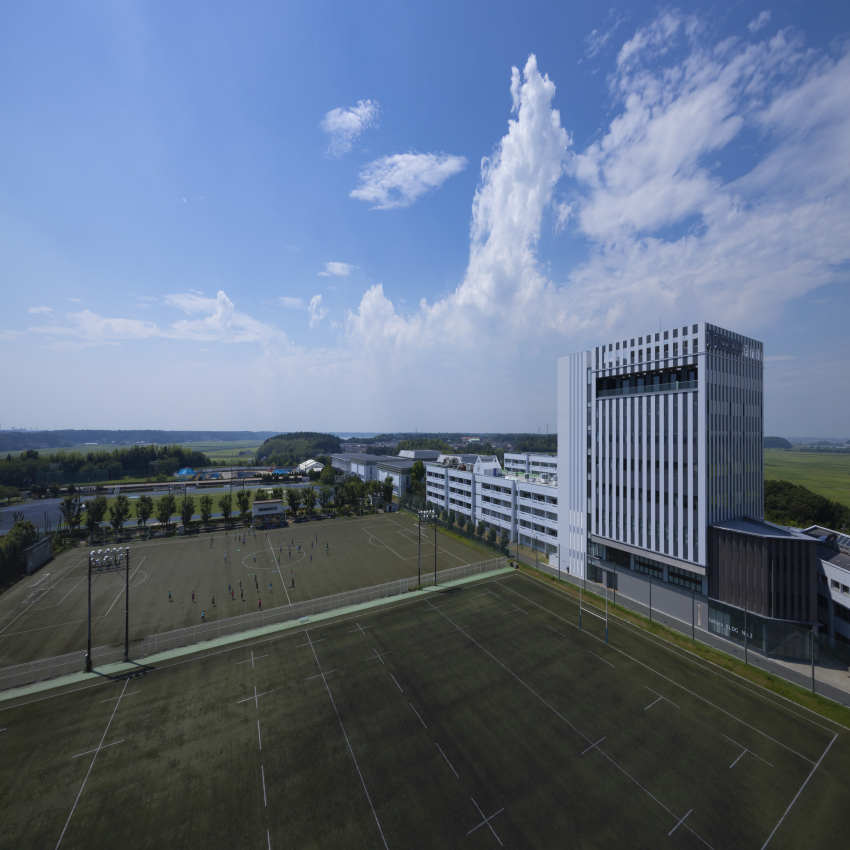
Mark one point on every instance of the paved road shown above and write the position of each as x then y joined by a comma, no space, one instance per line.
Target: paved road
36,510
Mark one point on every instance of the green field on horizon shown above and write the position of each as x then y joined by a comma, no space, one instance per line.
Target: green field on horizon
824,473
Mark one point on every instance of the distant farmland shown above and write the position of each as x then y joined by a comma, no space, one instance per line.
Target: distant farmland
825,473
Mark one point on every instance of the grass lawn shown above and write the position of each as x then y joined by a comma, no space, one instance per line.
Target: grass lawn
826,474
478,717
361,553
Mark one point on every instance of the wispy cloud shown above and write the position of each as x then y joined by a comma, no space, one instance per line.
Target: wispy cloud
337,270
345,126
221,322
316,311
396,181
757,23
597,40
40,310
291,303
75,300
9,335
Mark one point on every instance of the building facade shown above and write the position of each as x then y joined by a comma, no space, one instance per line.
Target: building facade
522,505
659,439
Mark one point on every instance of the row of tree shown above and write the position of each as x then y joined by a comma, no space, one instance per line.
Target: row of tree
23,470
76,513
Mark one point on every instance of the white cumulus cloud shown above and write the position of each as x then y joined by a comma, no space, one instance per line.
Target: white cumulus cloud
337,270
40,310
396,181
345,126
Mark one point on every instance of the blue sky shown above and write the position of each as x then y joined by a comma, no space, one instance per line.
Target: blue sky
375,217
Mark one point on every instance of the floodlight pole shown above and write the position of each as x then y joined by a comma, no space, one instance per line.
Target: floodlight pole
814,633
435,547
606,607
419,556
88,652
127,604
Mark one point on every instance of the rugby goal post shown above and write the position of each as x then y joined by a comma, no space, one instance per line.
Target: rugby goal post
37,590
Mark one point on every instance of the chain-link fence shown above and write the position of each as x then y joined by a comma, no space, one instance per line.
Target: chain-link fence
74,662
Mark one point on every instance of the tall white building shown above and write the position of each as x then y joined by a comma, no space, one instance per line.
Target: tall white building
659,439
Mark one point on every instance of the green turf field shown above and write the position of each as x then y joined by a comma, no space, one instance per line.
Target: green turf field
480,717
826,474
362,552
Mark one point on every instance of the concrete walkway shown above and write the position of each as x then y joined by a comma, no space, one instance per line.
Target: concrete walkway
110,671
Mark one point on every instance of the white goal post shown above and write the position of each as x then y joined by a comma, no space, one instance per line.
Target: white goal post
34,591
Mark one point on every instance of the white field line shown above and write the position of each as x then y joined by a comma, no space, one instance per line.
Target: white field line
447,760
14,619
564,719
672,681
103,748
274,561
746,751
599,657
122,695
348,743
486,822
126,682
53,626
207,655
373,537
661,696
392,677
757,690
417,714
263,773
259,736
122,591
799,792
678,824
69,592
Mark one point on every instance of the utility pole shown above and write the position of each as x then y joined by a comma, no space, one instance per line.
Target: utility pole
88,652
126,604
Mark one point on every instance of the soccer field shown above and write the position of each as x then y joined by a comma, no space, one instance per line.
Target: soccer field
476,717
361,552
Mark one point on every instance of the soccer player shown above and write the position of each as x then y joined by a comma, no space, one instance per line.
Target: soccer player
242,595
232,597
210,540
193,596
270,587
169,596
240,584
293,581
261,604
213,601
311,557
228,587
203,616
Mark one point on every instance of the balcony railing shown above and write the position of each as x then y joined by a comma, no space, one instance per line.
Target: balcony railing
679,386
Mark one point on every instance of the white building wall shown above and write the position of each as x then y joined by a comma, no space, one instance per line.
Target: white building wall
575,459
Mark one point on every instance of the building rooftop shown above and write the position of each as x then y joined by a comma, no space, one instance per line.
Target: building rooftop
362,457
760,528
532,478
396,462
833,558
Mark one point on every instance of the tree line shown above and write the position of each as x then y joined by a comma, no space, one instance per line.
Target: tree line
23,470
786,503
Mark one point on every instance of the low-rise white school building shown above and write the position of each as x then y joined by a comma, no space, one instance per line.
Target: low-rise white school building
522,504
